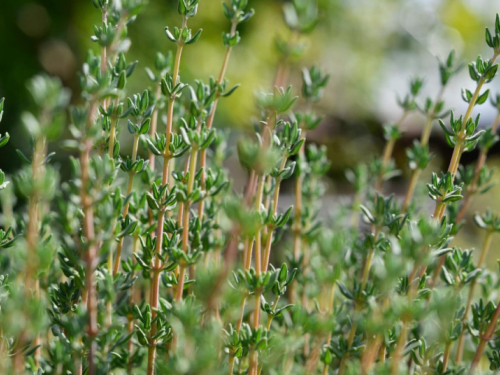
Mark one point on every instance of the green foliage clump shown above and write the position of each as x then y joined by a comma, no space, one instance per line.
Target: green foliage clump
148,261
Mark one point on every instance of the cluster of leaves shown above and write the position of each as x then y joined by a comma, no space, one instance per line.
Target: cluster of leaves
146,260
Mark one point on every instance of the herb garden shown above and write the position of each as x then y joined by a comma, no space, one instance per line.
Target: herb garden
146,259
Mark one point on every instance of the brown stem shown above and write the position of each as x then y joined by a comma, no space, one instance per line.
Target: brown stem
484,251
411,189
370,353
131,175
424,140
328,312
343,362
364,281
459,146
388,149
112,134
426,132
441,207
156,269
32,235
283,67
490,330
185,224
297,235
273,308
258,181
401,343
231,248
231,365
130,344
88,229
254,354
398,351
249,243
267,251
210,120
152,128
446,356
383,352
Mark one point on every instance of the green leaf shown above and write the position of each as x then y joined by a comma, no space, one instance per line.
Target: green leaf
367,213
283,273
490,74
343,289
23,157
170,36
473,73
482,98
195,37
153,148
122,80
489,39
4,139
141,262
479,221
230,91
145,126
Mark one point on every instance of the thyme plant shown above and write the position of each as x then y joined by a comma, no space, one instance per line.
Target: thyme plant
146,260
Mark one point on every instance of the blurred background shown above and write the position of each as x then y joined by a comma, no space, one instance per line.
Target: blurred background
371,48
